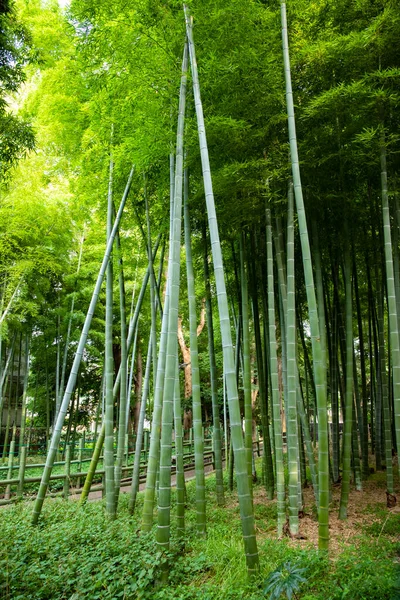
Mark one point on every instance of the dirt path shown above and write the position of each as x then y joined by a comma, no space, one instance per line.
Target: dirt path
126,485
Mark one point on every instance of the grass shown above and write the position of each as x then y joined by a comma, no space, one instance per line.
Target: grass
76,553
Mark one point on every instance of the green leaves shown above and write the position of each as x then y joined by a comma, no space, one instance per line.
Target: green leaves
286,580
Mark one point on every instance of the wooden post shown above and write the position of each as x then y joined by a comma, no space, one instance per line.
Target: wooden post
10,469
21,473
80,456
126,449
146,444
67,471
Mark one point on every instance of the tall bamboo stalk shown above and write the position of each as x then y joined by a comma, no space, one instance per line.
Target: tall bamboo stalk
24,394
139,434
348,412
194,366
276,402
122,421
245,500
164,500
109,366
393,320
292,429
319,366
217,436
248,417
180,472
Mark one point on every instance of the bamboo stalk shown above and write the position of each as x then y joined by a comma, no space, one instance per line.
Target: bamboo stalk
194,366
245,501
276,402
214,384
319,366
77,360
164,499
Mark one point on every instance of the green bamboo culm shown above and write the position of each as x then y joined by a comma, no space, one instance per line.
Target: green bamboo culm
24,394
153,284
217,436
131,341
11,453
262,372
276,404
348,409
164,500
92,467
194,366
248,416
384,399
319,366
292,421
109,366
154,449
245,500
145,393
122,421
55,439
180,472
139,434
393,317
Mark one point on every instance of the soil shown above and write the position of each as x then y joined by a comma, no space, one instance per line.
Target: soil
361,511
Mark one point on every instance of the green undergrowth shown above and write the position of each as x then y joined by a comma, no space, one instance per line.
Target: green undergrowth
76,553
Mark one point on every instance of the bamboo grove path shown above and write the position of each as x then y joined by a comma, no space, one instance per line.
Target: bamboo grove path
17,485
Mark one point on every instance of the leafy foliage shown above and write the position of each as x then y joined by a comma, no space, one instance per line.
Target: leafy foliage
286,580
16,135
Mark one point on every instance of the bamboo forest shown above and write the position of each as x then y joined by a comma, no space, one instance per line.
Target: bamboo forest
199,299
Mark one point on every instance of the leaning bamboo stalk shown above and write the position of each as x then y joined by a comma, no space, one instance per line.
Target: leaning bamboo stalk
145,394
319,366
68,334
77,361
5,313
7,365
245,500
131,340
164,500
154,288
154,449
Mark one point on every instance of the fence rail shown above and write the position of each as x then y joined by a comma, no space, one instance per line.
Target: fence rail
71,481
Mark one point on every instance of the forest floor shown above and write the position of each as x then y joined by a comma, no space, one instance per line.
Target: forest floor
77,553
365,510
